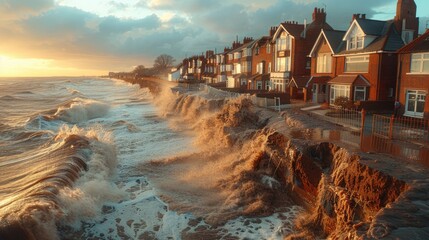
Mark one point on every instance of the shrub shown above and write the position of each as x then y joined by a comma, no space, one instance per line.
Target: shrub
344,102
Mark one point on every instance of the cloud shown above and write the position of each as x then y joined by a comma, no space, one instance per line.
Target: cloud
18,9
136,32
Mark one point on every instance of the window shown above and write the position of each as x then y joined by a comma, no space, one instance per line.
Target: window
360,94
237,55
243,82
324,62
420,63
269,67
260,68
355,42
268,48
237,68
415,105
282,64
256,50
339,91
246,67
283,43
357,64
259,85
267,85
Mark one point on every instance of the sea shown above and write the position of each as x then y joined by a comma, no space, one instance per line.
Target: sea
94,158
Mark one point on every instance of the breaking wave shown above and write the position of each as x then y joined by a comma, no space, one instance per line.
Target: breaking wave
38,196
229,172
80,110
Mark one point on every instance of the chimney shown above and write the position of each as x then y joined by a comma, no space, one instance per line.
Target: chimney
305,28
247,40
357,16
363,16
273,31
319,15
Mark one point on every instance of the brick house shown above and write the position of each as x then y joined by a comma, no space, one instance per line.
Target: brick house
193,68
323,65
293,43
209,70
262,56
241,60
366,62
413,77
220,66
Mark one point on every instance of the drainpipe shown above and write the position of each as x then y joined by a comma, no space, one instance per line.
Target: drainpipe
379,77
398,77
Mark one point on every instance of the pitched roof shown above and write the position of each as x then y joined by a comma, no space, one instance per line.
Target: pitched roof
300,81
387,37
318,80
420,44
371,27
246,45
293,28
357,80
334,38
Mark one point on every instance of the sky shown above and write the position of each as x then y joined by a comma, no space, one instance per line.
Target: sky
93,37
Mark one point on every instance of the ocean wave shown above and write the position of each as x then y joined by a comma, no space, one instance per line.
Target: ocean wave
80,110
8,98
43,193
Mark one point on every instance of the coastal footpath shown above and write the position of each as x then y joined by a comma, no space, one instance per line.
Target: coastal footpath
347,194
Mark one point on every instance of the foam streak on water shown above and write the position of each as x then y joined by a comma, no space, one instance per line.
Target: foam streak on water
92,159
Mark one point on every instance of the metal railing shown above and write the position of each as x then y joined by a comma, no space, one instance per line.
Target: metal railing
346,117
401,128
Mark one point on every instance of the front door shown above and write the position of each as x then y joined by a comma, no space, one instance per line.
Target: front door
315,91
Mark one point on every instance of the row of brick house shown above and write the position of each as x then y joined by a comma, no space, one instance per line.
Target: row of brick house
372,61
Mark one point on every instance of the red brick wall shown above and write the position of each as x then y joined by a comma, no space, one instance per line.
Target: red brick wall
411,82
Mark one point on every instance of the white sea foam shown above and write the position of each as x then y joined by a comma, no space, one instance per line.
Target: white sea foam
81,110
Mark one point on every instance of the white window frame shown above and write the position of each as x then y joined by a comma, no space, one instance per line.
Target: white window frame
360,89
283,42
335,89
418,63
259,85
324,63
356,60
356,40
268,85
283,64
268,48
420,97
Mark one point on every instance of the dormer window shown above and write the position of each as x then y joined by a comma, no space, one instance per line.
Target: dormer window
355,38
356,42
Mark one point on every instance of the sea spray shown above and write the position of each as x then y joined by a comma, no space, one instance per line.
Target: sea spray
80,110
224,174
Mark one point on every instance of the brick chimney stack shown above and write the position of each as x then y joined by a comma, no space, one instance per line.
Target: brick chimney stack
247,40
319,15
273,31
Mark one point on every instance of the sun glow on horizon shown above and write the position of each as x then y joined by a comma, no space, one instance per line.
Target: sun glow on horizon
37,67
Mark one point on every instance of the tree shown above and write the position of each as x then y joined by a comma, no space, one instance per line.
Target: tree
163,62
139,71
